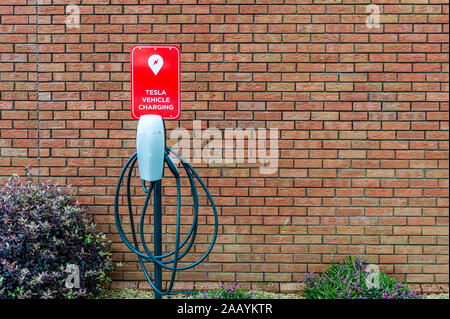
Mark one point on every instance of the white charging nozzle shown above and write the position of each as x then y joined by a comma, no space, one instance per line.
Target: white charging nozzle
150,147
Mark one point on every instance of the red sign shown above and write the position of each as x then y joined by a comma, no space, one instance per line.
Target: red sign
155,81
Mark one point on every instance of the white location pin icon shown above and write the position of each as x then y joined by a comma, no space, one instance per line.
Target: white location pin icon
155,62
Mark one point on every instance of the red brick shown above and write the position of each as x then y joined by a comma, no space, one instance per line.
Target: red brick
362,116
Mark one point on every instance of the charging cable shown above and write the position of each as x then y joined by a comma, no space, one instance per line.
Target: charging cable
168,260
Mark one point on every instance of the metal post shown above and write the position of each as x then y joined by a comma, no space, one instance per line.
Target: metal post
157,235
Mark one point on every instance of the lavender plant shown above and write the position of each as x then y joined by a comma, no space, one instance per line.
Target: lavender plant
348,279
42,230
234,291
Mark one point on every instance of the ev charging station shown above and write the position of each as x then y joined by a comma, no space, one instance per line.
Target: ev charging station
155,97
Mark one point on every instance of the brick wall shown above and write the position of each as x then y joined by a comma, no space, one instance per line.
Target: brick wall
361,112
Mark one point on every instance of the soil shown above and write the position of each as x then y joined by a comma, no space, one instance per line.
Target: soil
129,293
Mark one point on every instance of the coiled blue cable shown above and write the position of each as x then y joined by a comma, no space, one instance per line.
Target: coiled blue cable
148,256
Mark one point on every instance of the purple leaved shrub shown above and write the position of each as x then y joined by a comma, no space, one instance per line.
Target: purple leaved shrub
42,231
353,278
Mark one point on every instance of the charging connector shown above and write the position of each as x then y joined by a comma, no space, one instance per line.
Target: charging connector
150,147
